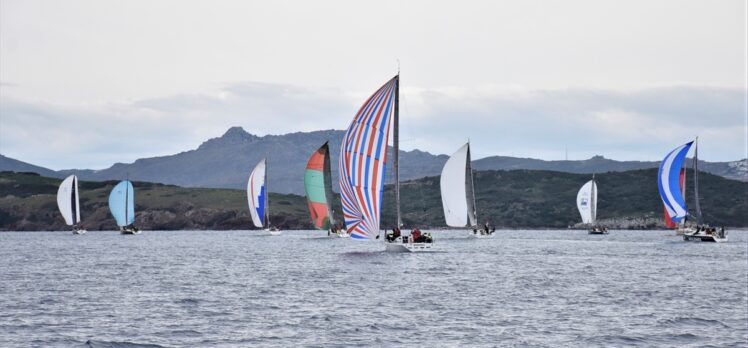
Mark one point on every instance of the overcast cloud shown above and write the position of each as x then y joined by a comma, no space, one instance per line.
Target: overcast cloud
90,83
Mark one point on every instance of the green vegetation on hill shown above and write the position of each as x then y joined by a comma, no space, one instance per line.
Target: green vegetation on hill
28,202
515,199
538,198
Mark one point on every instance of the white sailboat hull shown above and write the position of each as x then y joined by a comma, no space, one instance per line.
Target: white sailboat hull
408,247
273,231
705,237
398,246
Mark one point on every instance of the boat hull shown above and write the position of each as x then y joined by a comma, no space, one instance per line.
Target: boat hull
129,230
598,230
399,246
480,235
395,247
703,237
273,232
79,231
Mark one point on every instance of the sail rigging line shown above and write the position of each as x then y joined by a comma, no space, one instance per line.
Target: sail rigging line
74,201
266,222
696,181
396,149
593,199
469,174
127,193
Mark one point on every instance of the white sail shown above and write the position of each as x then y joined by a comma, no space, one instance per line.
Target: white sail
454,189
257,195
587,202
68,201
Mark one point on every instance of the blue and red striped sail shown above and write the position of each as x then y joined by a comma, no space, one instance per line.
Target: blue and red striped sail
363,157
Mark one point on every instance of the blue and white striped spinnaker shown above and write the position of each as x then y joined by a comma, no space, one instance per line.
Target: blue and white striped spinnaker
668,181
363,155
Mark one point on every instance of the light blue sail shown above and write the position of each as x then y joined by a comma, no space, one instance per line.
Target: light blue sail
122,203
668,181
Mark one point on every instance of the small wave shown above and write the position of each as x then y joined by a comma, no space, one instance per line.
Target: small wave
181,333
618,340
188,301
113,344
692,321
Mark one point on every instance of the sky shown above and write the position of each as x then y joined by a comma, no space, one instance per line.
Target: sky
85,84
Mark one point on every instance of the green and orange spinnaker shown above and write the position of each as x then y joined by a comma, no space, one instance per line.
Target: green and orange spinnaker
318,187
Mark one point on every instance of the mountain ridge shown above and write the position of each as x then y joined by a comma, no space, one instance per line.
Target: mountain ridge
225,162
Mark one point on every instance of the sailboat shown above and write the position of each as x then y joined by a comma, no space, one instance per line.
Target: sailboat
122,206
668,182
363,158
587,205
458,193
318,189
69,203
257,196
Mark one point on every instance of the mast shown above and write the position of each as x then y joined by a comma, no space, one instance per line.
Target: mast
683,172
696,181
266,218
127,194
327,180
469,169
593,202
396,149
73,201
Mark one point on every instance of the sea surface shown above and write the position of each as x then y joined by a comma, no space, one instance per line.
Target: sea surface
248,289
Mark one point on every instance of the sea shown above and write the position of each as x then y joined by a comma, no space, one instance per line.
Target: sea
547,288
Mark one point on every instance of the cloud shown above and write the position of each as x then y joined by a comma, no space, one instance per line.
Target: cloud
641,124
499,120
98,135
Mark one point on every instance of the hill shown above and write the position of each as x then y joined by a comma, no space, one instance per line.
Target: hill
537,198
511,199
225,162
28,202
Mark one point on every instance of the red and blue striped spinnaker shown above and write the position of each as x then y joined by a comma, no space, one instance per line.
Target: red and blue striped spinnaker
363,157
